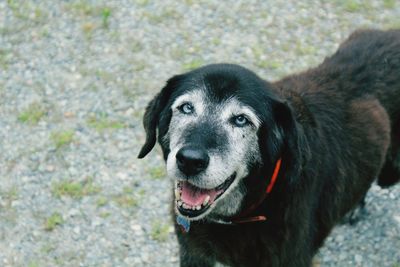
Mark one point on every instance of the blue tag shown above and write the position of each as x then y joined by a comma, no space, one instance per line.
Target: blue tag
185,223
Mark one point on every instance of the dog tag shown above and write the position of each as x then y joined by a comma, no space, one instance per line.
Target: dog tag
184,223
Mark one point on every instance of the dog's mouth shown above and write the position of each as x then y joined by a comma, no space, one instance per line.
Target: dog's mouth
192,201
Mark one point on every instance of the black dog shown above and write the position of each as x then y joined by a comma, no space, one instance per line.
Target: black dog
263,171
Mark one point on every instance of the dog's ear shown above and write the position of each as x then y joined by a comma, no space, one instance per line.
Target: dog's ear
283,140
152,115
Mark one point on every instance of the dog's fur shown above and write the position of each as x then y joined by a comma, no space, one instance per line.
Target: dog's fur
336,128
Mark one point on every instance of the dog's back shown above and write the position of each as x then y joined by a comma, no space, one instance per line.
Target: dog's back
371,58
351,100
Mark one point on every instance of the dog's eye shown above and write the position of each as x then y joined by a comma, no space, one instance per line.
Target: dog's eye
186,108
240,121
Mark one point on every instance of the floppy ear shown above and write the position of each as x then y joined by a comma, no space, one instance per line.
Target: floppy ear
152,115
284,141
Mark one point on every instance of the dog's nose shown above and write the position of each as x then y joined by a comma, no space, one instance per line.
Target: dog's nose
192,160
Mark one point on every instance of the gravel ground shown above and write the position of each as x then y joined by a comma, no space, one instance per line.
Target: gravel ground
75,77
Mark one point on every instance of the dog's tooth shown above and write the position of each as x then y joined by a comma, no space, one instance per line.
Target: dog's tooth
193,207
180,203
205,202
198,207
177,194
185,206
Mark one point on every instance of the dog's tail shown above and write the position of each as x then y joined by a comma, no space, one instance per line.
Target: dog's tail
390,173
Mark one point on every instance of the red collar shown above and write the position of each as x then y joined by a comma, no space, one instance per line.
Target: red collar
241,217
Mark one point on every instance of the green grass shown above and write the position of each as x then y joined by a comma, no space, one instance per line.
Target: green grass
75,189
193,64
352,6
166,14
62,138
83,8
269,64
136,46
105,16
157,172
101,201
105,214
54,220
94,16
26,11
33,264
47,248
389,4
159,231
5,57
142,2
126,201
32,114
102,122
88,28
355,6
9,196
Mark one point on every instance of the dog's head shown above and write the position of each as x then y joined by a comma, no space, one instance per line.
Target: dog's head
216,126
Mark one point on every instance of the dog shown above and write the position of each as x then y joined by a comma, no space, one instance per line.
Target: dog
264,170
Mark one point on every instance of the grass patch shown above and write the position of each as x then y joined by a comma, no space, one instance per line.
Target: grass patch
142,2
354,6
269,64
159,231
32,114
126,201
105,214
83,8
105,16
75,189
101,201
302,49
47,248
86,8
194,64
88,29
102,122
389,4
392,24
26,11
9,196
6,56
157,172
33,264
62,138
136,46
54,220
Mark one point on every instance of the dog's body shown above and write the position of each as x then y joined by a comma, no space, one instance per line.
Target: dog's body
334,128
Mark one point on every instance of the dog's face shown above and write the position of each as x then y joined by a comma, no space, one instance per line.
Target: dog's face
212,144
216,126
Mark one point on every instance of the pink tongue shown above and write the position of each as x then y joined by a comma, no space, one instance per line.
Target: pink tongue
195,196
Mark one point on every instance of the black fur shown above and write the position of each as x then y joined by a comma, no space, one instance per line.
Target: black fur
336,128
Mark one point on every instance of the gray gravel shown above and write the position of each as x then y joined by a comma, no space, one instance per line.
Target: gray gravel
75,77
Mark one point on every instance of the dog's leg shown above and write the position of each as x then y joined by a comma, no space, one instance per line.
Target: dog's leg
390,173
